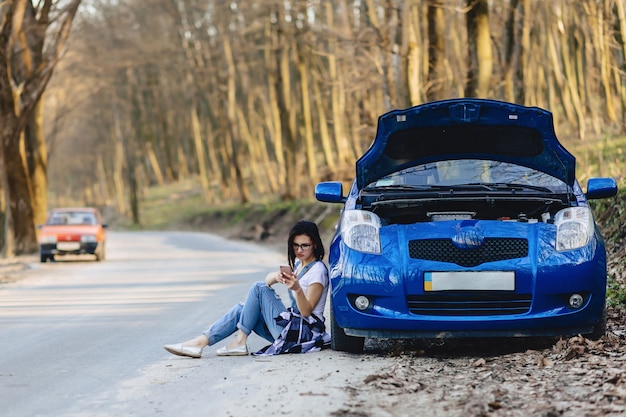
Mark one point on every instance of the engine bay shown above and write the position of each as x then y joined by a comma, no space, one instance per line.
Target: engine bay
407,211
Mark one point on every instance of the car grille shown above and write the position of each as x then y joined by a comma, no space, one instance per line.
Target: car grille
492,249
469,305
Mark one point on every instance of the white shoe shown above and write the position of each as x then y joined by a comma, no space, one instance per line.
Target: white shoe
180,350
236,351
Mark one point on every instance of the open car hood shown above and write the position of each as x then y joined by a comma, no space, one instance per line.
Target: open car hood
462,129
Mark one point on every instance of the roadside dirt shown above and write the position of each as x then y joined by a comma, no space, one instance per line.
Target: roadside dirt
13,269
497,377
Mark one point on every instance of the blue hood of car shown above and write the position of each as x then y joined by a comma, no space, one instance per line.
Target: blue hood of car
465,129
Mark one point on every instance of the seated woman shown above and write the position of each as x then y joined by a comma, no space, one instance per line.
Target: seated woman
308,286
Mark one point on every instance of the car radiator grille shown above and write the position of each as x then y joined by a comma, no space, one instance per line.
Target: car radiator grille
492,249
469,305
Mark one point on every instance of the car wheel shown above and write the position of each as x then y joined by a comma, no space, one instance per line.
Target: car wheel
100,255
599,329
341,341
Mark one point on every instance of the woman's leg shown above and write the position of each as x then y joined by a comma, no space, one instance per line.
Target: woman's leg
224,326
256,314
262,305
221,329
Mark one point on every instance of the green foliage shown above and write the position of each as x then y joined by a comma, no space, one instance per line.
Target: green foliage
606,158
610,215
599,158
182,206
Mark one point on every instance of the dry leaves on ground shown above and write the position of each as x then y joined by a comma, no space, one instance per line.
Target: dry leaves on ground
571,377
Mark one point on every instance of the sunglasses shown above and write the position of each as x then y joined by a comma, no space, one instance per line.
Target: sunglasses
303,246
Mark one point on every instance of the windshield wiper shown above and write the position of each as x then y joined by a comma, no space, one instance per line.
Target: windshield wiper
398,187
474,186
432,187
503,186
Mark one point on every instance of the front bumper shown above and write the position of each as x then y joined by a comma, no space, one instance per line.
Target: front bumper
80,248
538,306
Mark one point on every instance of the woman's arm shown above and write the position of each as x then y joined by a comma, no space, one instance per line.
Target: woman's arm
272,278
307,302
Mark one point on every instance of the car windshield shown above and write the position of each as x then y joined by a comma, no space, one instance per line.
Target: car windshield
482,174
71,218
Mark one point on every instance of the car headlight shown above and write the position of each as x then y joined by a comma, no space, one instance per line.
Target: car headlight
574,228
48,239
88,238
359,231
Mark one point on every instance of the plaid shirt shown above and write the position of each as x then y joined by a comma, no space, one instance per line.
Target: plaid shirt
299,335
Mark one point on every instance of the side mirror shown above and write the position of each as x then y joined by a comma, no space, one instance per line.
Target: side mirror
601,188
329,192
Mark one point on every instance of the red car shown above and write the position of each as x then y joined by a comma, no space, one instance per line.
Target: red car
72,231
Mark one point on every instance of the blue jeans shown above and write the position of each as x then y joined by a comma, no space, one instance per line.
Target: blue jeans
256,314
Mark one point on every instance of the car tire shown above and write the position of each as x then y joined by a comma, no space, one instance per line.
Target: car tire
341,341
599,330
44,258
100,255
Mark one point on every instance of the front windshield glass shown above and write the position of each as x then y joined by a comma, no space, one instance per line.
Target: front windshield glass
469,171
71,218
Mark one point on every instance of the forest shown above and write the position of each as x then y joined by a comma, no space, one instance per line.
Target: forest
259,100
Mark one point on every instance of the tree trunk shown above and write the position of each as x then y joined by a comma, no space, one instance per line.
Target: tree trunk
283,100
570,79
118,162
521,80
154,163
7,236
620,36
329,155
413,71
303,68
337,90
380,51
103,184
37,163
605,46
273,121
231,115
511,48
436,50
480,62
198,143
20,201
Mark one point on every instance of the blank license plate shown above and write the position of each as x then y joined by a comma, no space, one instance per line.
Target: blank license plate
470,281
68,246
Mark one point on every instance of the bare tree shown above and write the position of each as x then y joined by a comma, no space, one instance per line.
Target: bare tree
265,97
32,38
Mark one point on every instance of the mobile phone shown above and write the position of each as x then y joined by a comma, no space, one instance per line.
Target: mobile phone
286,269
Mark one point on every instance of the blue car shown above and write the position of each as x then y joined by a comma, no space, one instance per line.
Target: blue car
465,219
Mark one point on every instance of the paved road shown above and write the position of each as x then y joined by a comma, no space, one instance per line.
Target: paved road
84,338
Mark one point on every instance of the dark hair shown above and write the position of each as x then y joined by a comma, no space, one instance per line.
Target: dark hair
310,229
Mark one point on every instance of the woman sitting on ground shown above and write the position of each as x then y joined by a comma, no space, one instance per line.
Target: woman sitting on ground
263,308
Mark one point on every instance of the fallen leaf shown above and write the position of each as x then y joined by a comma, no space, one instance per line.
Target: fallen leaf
479,363
544,362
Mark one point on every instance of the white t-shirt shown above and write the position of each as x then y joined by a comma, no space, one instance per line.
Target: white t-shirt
316,273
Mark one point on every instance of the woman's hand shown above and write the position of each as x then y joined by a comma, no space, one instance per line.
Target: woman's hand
290,280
